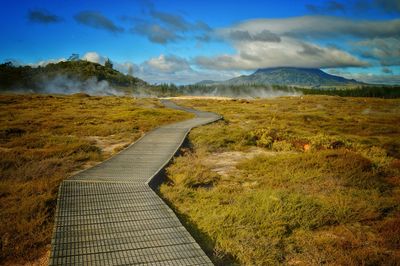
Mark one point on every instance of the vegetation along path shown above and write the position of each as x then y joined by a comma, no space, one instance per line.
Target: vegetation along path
109,214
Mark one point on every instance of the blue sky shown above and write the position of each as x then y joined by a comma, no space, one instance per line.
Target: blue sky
188,41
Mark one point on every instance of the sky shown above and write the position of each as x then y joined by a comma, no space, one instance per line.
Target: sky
183,42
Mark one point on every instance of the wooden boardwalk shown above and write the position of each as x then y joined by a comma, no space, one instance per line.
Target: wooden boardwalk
109,214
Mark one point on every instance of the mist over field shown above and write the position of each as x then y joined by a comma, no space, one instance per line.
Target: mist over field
62,84
246,92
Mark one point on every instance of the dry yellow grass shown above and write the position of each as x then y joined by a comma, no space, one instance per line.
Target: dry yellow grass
43,140
325,191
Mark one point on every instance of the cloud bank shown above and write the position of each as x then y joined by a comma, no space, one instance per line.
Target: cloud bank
355,6
298,42
163,27
98,21
43,16
289,52
320,27
385,50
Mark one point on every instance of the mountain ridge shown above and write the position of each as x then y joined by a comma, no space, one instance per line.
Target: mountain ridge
288,76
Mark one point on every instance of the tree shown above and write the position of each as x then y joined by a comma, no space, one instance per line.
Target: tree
108,64
7,64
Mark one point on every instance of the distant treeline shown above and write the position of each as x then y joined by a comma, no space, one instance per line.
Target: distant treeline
259,90
364,91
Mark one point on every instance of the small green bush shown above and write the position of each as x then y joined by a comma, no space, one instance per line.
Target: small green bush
323,141
264,137
282,145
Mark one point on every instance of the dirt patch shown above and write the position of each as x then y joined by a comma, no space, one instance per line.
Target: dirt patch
225,163
108,145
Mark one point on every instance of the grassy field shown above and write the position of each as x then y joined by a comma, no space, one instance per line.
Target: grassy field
45,139
294,180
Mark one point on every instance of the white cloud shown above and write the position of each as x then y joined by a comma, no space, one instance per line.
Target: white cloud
174,69
171,69
318,27
288,52
184,77
94,57
168,63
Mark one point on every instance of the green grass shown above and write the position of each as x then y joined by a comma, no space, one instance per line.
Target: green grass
45,139
325,190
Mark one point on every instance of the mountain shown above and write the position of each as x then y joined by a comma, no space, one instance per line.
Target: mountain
289,76
68,77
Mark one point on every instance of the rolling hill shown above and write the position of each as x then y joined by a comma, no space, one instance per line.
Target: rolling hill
68,77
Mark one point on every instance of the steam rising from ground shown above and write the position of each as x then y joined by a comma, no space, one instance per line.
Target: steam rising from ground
244,92
62,84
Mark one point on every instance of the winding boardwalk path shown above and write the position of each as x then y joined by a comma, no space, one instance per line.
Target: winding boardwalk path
109,214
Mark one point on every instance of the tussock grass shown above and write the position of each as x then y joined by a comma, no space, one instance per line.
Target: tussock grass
329,194
43,140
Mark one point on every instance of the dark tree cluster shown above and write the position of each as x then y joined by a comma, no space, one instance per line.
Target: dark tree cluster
27,77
